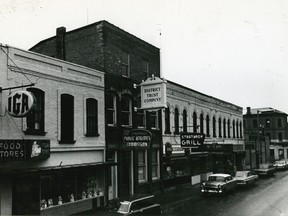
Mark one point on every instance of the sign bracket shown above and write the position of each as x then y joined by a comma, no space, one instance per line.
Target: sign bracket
22,86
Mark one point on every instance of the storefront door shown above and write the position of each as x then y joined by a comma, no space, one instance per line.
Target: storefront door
26,196
126,172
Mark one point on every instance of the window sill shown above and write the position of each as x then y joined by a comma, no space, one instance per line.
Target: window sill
35,132
92,135
66,141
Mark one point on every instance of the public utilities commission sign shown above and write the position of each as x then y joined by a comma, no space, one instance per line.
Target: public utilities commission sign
138,139
153,93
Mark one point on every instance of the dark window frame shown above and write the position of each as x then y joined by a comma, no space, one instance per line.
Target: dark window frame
91,117
67,119
35,119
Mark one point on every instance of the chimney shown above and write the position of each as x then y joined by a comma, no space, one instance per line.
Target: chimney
248,111
60,43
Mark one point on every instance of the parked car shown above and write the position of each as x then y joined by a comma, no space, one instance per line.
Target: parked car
265,170
219,183
245,177
281,165
142,206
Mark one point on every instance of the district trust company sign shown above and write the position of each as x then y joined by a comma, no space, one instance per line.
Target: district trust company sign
153,93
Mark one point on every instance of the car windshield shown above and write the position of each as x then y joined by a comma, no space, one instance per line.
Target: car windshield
216,178
241,174
124,207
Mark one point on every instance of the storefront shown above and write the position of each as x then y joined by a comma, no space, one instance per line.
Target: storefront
27,188
180,164
58,191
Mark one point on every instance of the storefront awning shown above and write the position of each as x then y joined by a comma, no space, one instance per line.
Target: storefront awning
54,168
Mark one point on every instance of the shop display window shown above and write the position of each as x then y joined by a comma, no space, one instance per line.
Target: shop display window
69,186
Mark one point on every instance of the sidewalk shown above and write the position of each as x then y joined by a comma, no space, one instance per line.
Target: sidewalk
169,198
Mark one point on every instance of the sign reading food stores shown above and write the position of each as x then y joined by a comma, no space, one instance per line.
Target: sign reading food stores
153,93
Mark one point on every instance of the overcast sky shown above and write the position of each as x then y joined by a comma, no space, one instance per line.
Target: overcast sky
234,50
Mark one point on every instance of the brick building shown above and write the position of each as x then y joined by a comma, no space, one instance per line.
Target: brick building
190,111
54,155
127,60
267,129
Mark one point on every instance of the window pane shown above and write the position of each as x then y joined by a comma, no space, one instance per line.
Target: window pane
67,118
111,109
92,116
35,119
126,109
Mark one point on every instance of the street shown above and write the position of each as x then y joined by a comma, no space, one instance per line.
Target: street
267,197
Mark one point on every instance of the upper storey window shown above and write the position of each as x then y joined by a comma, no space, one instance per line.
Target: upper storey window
35,119
145,69
125,64
126,111
92,117
67,119
111,109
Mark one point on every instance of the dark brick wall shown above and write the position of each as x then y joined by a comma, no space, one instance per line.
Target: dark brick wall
100,45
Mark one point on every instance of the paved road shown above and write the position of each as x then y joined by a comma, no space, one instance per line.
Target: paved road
268,197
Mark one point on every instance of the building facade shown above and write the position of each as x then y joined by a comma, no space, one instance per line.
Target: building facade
126,60
267,127
53,158
189,111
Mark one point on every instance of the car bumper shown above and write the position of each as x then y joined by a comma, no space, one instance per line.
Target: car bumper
211,190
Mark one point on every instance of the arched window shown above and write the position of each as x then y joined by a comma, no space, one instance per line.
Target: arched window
111,109
237,129
141,117
195,122
224,128
36,118
241,130
233,125
228,128
167,120
91,117
207,126
126,110
184,120
176,120
214,126
220,127
67,119
201,123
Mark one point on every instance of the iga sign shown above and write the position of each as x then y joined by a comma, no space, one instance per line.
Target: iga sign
153,93
20,103
138,139
192,140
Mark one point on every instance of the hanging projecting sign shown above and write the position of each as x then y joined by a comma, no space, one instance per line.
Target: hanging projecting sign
138,139
153,93
192,140
20,103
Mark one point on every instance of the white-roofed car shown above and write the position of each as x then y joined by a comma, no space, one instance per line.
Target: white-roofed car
281,165
245,177
141,206
219,183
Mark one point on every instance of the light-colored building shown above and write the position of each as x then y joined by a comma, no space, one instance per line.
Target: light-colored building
220,122
53,159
